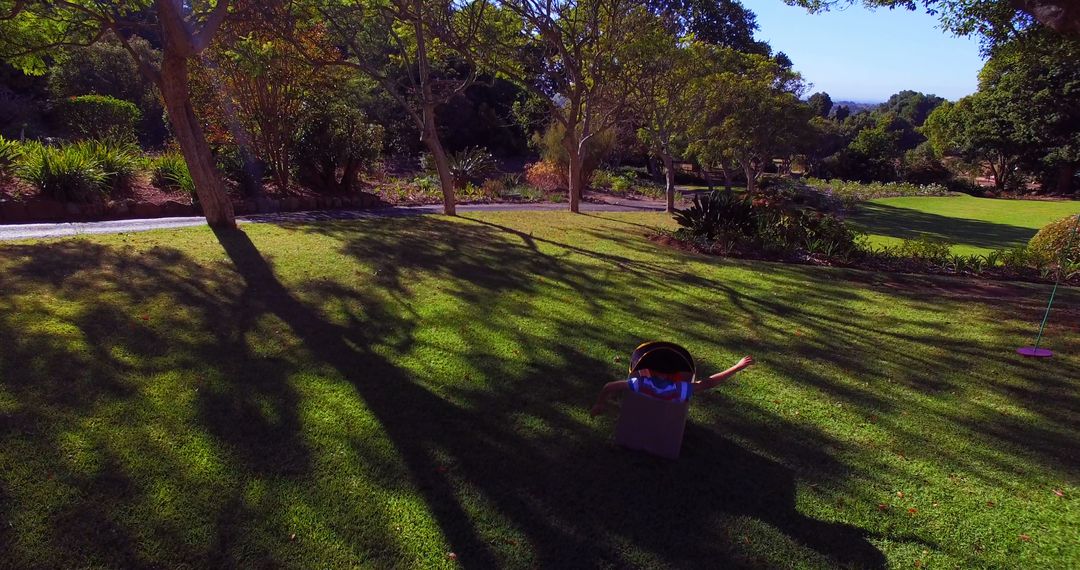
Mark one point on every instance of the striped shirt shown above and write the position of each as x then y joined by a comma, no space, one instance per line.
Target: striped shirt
661,387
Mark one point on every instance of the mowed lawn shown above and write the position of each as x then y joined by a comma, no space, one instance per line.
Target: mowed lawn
974,225
413,392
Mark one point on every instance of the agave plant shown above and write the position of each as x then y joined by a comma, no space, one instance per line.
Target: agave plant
718,213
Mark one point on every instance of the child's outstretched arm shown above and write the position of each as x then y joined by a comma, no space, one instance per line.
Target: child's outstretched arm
605,393
710,382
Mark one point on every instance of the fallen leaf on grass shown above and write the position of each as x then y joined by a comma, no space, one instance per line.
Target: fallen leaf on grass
452,556
1059,492
882,507
912,511
292,536
989,503
900,494
1025,538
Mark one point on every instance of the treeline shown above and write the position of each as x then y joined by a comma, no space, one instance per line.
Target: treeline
306,91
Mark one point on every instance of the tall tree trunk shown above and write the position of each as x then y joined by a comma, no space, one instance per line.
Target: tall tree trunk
1065,175
214,200
430,138
708,178
430,133
575,179
669,178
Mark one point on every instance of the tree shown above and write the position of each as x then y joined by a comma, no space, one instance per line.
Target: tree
752,114
911,106
718,22
1026,113
1037,76
820,103
980,128
106,68
411,48
659,73
569,53
258,87
31,31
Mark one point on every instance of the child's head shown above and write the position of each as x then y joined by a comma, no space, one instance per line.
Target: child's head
663,357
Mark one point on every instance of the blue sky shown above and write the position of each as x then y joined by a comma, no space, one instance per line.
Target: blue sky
866,55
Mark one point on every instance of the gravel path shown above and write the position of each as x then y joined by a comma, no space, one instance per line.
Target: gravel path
31,231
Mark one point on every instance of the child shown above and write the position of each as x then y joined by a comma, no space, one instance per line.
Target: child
664,371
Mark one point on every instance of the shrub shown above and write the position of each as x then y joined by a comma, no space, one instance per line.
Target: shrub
927,250
1057,244
120,161
494,188
106,68
68,173
170,171
97,117
546,176
10,152
602,179
470,165
549,144
853,192
719,215
332,146
733,221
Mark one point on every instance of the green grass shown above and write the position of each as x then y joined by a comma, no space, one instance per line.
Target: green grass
975,225
384,392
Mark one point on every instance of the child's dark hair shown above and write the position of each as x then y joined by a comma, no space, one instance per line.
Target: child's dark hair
663,357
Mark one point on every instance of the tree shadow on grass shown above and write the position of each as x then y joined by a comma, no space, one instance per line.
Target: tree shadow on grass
507,465
570,495
906,223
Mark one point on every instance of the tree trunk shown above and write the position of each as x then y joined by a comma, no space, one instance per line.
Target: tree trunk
751,176
214,200
708,178
430,138
1064,178
669,179
575,179
429,134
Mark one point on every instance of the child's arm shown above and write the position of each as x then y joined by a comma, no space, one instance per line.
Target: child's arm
605,393
710,382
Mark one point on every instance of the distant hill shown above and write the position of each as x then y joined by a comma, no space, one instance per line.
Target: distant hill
857,106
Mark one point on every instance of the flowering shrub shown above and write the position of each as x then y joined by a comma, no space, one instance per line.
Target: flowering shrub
546,176
853,192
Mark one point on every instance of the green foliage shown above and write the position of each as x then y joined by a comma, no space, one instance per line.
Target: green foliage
333,144
851,193
67,173
106,68
471,165
97,117
549,143
926,249
1057,244
718,215
737,223
10,153
121,161
170,171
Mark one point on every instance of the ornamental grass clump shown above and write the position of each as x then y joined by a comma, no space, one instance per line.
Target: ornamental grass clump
69,173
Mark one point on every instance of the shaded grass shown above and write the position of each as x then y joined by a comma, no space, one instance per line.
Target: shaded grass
974,225
384,392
